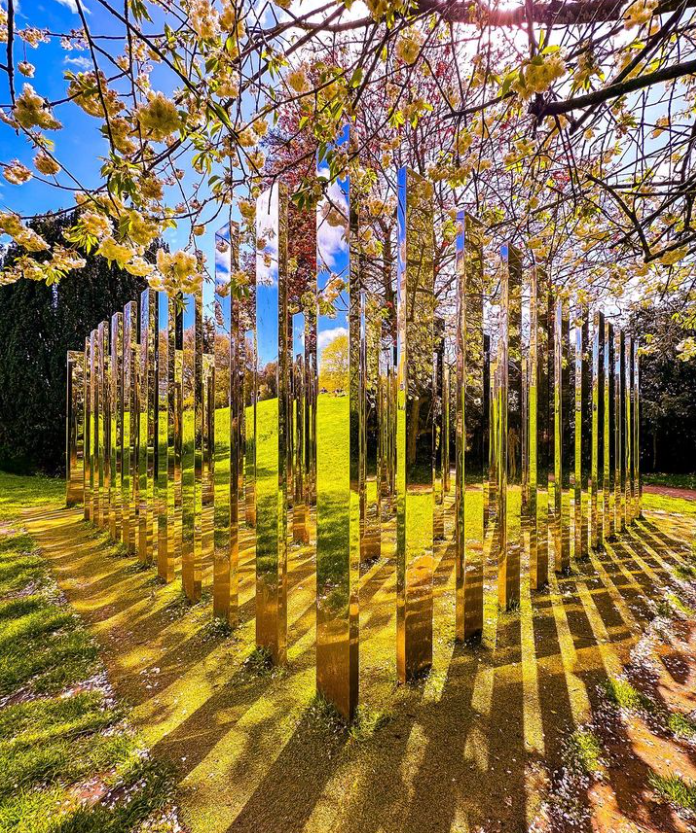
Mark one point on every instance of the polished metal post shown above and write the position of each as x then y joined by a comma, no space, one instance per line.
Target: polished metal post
208,446
370,512
581,435
637,485
273,416
563,451
95,438
338,463
597,461
89,429
540,432
192,446
168,463
105,424
439,431
302,303
228,413
446,426
129,479
510,428
609,434
619,432
627,420
147,393
74,428
472,430
414,432
116,382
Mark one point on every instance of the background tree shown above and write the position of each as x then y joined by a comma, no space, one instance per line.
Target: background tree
39,324
333,365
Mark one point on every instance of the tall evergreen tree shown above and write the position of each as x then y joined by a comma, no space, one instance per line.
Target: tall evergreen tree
38,325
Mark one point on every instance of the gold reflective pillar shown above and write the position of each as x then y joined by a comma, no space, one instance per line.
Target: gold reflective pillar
540,431
168,462
609,434
272,422
439,431
338,463
89,429
597,453
147,401
302,304
208,445
95,417
471,430
414,431
563,447
228,413
619,432
627,420
129,479
192,445
509,405
75,428
370,513
104,392
637,486
581,435
116,382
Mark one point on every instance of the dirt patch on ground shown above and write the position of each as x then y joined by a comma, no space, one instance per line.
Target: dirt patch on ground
671,491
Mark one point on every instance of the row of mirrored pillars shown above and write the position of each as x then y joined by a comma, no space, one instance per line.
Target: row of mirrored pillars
330,399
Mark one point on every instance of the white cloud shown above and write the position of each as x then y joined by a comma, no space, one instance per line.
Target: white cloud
325,337
332,240
266,214
70,4
80,61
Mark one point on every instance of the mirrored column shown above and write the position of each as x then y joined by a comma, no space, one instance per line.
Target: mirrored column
370,540
89,429
619,432
439,431
627,420
510,428
581,435
95,421
609,432
597,461
338,463
192,445
540,426
147,392
272,422
129,478
228,406
168,463
414,431
104,393
563,446
637,485
116,382
75,428
472,430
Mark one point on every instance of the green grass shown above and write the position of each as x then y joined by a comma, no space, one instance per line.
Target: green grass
681,725
664,503
676,790
625,696
58,729
675,481
17,493
584,752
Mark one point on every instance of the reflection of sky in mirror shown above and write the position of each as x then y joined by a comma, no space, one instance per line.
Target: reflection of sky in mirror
267,276
333,257
223,264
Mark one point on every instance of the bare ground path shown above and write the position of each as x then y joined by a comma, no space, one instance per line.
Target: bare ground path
469,749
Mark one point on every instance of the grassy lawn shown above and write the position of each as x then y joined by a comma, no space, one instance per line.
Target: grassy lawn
69,763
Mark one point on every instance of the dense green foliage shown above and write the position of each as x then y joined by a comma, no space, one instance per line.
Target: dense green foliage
39,324
668,397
